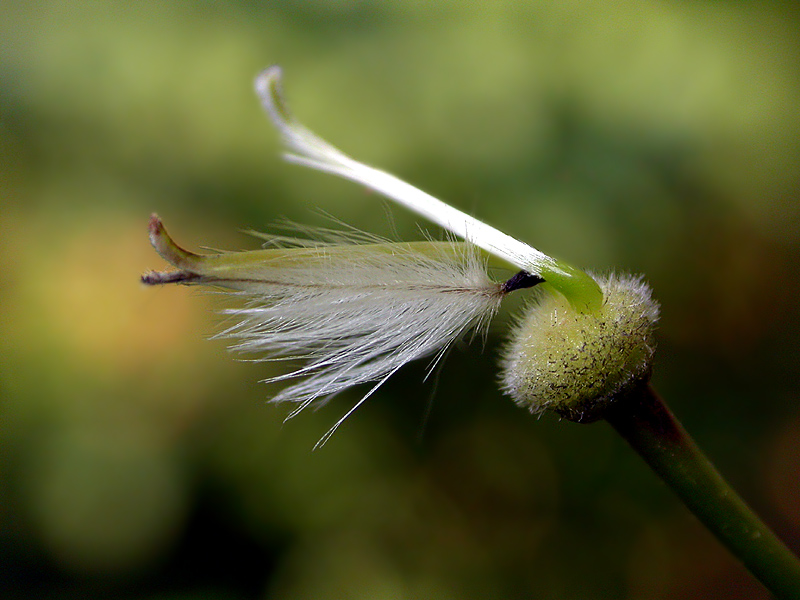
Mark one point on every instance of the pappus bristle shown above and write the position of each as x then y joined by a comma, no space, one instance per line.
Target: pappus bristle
350,313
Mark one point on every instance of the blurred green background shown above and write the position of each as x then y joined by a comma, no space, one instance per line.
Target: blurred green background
139,460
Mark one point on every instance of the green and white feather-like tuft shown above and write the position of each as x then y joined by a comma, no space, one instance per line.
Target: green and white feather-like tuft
350,313
357,317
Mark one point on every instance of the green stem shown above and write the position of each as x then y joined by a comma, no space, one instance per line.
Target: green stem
652,430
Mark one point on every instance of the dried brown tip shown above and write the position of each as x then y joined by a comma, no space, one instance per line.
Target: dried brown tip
169,250
188,262
161,278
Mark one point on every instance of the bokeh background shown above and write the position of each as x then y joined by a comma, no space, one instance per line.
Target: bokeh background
139,460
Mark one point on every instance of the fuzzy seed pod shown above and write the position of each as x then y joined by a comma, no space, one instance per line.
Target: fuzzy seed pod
576,363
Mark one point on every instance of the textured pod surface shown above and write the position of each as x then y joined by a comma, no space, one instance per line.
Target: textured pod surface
576,363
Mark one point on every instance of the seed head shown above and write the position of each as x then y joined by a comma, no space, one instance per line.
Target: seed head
577,363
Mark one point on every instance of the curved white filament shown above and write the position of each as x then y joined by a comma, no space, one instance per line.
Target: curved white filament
310,150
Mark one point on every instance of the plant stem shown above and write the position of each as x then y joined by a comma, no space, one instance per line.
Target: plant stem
652,430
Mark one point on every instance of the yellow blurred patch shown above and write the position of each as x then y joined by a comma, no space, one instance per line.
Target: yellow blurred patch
76,290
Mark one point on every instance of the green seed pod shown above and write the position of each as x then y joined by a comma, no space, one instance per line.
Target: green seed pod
577,363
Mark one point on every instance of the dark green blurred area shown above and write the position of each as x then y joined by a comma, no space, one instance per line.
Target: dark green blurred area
138,460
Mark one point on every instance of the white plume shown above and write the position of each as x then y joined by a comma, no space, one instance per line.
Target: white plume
357,313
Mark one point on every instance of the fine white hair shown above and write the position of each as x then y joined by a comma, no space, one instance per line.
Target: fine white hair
354,314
